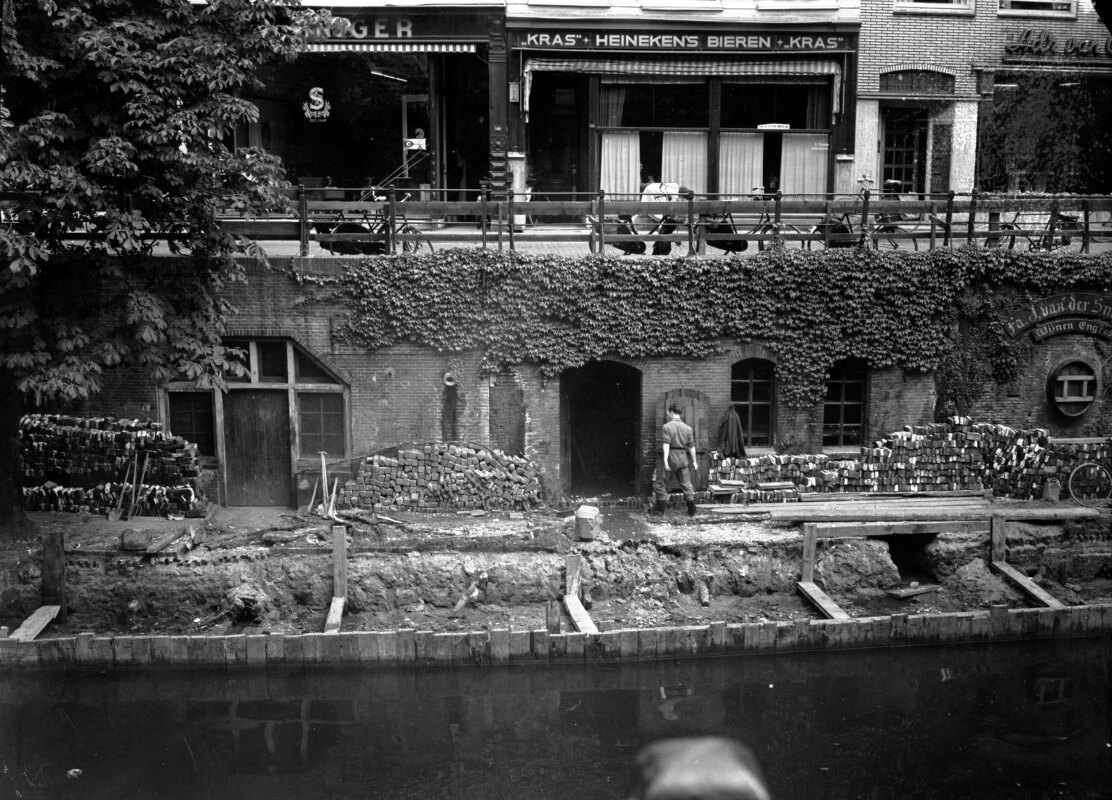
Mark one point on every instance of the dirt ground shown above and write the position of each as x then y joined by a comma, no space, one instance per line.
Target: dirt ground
268,569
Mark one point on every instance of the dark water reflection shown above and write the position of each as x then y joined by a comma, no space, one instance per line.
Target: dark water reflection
1023,720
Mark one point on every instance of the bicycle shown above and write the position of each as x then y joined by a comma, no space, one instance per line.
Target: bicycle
766,230
374,228
1090,484
889,230
1059,236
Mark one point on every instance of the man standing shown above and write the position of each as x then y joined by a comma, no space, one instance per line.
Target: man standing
678,454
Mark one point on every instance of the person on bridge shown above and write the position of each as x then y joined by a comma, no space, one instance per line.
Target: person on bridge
678,455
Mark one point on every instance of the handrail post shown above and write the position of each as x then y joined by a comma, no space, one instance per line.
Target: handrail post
510,215
690,222
391,220
1085,225
777,235
946,240
932,217
303,220
827,224
484,201
601,221
972,223
865,232
1052,226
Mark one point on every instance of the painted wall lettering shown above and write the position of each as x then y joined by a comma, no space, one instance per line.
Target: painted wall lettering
1074,312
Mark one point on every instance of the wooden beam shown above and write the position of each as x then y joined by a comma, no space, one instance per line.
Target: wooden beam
339,561
999,538
911,591
335,615
808,552
54,572
822,600
1028,586
839,530
34,624
579,616
162,542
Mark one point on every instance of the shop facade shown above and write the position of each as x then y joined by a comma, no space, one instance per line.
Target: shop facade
1000,95
616,102
402,98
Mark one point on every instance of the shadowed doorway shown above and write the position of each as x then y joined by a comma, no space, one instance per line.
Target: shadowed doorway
600,421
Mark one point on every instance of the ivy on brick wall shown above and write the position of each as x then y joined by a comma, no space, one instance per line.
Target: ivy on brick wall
890,308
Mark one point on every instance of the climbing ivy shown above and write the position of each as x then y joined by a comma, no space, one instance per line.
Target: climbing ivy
890,308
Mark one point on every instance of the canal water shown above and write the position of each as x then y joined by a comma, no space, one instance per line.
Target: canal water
1009,720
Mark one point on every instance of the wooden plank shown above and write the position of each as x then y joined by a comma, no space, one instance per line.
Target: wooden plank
835,530
1029,587
834,497
34,624
808,552
162,542
911,591
335,615
821,600
804,512
579,616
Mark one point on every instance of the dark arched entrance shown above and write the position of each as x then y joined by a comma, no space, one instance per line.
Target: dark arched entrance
600,422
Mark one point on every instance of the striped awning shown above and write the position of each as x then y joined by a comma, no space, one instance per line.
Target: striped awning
391,47
688,68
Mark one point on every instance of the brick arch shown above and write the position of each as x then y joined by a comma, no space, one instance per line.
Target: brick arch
923,66
752,350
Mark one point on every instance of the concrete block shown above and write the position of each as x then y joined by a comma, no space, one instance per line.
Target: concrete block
330,654
406,646
312,648
520,647
718,637
500,646
627,644
235,650
648,644
478,643
275,649
538,642
256,649
576,647
366,647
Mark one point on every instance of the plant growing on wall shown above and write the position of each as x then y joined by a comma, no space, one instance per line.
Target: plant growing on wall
891,309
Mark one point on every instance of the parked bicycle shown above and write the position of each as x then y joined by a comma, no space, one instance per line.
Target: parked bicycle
889,230
765,231
1061,235
368,234
1090,484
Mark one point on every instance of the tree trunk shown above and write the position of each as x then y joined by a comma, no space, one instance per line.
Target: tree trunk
14,523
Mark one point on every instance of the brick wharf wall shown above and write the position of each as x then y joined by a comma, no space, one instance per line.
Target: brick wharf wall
897,34
397,393
1025,404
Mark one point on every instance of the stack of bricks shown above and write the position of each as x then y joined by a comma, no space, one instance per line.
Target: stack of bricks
951,456
78,464
441,477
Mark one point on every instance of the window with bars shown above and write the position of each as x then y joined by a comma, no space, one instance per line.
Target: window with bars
843,418
752,393
1072,388
321,416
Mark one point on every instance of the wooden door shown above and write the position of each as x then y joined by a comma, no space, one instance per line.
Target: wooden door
257,448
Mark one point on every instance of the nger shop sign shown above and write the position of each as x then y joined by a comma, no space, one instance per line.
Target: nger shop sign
1075,312
691,42
413,26
1035,45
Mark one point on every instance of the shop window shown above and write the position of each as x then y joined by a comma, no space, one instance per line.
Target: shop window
652,105
1072,388
321,416
752,393
1056,7
191,417
844,408
747,105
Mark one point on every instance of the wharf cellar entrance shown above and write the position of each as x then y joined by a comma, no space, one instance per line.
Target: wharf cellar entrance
600,424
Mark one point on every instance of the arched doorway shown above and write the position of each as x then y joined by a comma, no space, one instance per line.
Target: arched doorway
600,424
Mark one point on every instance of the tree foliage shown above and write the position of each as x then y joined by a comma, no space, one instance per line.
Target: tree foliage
116,129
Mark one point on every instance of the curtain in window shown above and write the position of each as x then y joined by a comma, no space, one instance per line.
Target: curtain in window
683,159
740,160
803,163
612,101
818,108
621,163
